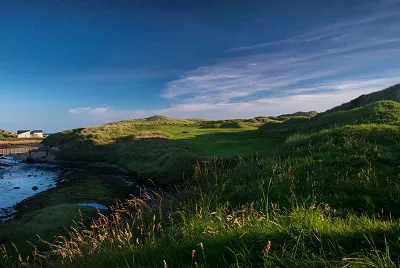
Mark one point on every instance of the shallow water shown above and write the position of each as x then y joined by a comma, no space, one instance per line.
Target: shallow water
94,205
17,179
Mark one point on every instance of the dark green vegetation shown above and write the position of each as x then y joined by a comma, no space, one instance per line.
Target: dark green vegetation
305,190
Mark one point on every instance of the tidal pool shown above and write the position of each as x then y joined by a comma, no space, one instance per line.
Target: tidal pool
17,180
94,205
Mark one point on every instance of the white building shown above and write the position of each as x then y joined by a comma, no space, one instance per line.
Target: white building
23,134
37,134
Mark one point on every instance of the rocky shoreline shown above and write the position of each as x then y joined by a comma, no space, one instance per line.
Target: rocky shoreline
76,183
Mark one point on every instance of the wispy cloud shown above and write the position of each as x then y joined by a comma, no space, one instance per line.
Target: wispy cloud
385,10
89,110
363,47
319,98
100,115
316,70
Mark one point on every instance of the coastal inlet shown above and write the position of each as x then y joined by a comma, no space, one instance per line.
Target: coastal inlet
19,180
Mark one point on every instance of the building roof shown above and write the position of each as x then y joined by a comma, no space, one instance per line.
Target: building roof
36,131
22,131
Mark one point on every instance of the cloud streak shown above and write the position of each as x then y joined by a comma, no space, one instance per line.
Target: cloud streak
316,70
89,110
285,67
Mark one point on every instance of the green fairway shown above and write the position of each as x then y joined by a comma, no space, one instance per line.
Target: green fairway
220,141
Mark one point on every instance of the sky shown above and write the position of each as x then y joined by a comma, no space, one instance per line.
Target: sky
68,64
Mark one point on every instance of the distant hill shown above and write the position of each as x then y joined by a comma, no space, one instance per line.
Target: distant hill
158,120
380,112
375,108
390,93
296,115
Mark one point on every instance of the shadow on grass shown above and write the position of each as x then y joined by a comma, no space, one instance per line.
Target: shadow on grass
166,160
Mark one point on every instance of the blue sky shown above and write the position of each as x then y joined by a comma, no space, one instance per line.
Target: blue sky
66,64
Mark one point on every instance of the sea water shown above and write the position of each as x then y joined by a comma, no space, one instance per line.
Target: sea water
17,180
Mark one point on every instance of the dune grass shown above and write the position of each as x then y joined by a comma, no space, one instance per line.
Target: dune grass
329,199
314,191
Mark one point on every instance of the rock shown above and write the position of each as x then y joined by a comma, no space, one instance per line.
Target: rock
35,188
17,187
29,160
29,175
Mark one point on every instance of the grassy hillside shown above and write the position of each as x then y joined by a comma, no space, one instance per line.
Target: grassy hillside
390,93
166,149
284,117
161,148
379,112
315,191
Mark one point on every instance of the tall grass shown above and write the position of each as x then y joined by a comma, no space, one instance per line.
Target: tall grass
326,200
323,199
